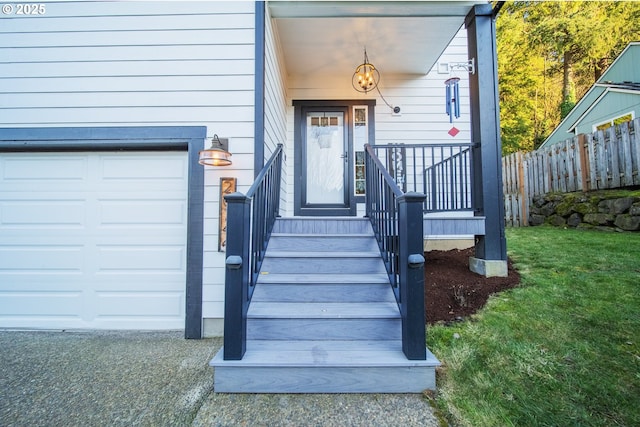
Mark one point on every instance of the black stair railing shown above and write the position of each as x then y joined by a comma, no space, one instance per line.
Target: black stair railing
250,220
396,218
442,171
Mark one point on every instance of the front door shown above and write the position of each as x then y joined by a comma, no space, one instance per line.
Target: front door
323,159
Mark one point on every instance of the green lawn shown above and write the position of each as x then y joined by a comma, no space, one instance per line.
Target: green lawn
562,349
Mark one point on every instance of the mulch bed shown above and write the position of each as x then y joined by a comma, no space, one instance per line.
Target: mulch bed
452,291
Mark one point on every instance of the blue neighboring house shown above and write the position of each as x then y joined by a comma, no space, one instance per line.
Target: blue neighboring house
613,99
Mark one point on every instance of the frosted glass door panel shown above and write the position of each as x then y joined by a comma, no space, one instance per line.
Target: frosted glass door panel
325,158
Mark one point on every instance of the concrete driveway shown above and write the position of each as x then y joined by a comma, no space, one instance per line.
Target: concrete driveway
160,379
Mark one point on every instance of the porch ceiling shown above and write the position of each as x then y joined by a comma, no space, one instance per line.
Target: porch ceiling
400,37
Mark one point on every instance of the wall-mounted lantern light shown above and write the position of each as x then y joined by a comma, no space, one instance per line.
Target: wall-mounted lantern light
217,154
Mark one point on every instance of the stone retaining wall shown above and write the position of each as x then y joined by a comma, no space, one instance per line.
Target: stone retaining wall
599,210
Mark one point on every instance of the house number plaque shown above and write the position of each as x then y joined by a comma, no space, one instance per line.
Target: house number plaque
227,186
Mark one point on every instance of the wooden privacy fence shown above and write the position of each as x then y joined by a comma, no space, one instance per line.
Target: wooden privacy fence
587,162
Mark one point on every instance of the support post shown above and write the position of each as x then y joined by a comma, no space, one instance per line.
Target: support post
193,327
236,285
259,92
411,269
488,200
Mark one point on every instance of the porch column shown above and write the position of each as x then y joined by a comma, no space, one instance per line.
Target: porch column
490,249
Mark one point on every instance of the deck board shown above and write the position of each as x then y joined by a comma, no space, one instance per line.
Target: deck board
322,225
331,253
327,310
315,293
325,329
324,265
319,243
359,379
329,353
322,278
443,226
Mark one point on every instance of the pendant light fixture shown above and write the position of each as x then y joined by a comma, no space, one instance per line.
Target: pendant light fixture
216,155
366,77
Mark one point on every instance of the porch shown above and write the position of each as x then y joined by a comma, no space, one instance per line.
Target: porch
336,304
323,303
310,52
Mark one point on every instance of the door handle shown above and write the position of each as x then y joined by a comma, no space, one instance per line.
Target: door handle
345,156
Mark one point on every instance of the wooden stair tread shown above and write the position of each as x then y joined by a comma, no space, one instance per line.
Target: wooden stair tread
329,345
331,264
323,235
323,278
323,225
324,310
291,354
322,254
323,292
323,243
458,225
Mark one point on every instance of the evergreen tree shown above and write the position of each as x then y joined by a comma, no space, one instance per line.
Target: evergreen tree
549,55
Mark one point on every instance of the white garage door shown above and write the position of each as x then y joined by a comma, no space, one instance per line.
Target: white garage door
93,240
